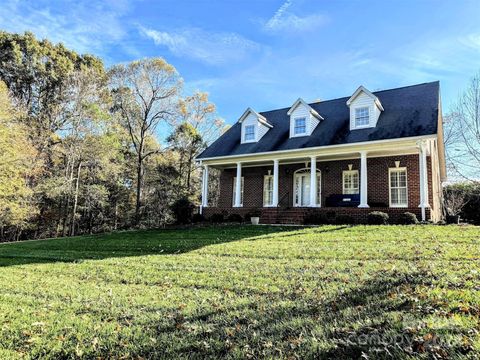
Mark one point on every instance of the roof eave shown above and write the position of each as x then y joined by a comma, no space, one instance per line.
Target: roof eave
360,89
311,110
260,117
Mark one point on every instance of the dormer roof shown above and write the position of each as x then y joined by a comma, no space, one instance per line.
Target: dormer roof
300,101
361,89
260,117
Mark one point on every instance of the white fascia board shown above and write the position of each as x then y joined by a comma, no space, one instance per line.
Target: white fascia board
285,154
344,156
248,111
294,106
264,122
316,114
260,118
310,109
361,89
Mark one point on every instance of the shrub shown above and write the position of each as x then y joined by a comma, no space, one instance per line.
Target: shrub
452,219
235,218
408,218
182,210
197,218
467,199
344,220
377,218
217,218
315,218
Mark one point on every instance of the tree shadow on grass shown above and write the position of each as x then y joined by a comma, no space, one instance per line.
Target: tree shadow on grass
365,321
130,243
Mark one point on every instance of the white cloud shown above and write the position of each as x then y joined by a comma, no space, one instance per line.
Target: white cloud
436,56
285,20
471,41
207,47
85,27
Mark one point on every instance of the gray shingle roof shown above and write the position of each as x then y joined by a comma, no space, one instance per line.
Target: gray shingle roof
409,111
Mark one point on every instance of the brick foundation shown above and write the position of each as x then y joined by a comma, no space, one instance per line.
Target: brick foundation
297,215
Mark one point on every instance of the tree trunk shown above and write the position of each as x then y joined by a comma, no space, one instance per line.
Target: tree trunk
189,170
189,167
115,214
139,188
75,201
67,205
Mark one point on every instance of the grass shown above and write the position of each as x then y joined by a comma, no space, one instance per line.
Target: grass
326,292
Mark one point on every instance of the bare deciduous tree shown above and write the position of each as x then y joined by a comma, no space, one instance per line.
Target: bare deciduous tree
462,133
145,94
455,201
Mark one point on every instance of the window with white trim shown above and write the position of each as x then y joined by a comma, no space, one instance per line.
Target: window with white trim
350,182
249,133
268,190
235,191
398,187
300,126
362,116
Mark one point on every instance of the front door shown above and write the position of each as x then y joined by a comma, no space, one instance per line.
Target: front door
305,190
302,188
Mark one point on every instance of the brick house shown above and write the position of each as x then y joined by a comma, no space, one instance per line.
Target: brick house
371,151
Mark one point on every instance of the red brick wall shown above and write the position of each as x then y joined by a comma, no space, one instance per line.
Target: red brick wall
331,181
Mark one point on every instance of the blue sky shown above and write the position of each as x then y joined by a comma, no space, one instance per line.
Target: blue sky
265,54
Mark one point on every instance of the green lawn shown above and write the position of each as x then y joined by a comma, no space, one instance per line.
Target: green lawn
327,292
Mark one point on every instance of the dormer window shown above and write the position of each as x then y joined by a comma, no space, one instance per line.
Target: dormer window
253,126
362,116
300,126
249,133
365,109
303,119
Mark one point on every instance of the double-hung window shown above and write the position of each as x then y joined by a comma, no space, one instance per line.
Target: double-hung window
362,116
249,133
350,182
235,191
300,126
268,190
398,187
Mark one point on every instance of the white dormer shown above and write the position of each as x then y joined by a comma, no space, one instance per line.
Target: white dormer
254,126
303,119
365,109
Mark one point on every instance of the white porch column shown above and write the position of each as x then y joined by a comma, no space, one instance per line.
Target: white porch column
363,181
238,186
425,176
203,197
313,181
275,183
422,159
205,186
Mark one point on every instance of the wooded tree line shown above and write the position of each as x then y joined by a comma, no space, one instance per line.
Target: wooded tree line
87,149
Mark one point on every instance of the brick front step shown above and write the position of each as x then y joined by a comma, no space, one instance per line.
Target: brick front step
297,215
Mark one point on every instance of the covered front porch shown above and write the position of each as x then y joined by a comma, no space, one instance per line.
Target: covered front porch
354,183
